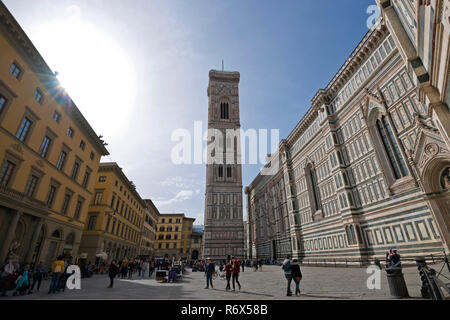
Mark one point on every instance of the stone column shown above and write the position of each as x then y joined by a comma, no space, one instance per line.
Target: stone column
36,233
10,235
76,245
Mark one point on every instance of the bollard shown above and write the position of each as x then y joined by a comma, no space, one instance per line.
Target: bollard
396,281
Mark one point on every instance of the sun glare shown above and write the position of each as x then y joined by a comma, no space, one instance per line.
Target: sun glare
95,71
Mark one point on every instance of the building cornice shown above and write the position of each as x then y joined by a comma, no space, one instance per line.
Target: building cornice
114,167
13,31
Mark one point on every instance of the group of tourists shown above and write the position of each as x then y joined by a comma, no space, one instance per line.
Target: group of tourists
143,267
24,279
232,268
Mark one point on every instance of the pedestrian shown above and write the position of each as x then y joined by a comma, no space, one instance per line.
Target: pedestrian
112,272
130,269
394,259
210,269
124,268
236,270
38,274
7,277
151,269
296,275
145,268
63,278
388,261
287,268
260,265
228,272
23,281
139,266
243,265
57,269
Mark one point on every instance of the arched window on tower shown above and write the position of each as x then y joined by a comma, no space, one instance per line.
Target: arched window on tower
224,110
391,147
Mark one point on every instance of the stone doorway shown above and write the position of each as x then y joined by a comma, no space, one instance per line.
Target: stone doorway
437,187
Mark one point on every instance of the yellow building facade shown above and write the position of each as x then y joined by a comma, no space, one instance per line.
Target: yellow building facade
49,155
173,236
115,218
149,229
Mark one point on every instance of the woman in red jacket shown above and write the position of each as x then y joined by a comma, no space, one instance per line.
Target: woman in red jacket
236,270
228,271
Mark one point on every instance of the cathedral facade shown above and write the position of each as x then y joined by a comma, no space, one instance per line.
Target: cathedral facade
366,169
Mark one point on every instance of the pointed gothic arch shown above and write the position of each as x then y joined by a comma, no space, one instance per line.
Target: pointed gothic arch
388,148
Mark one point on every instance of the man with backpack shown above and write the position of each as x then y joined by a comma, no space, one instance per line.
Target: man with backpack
287,268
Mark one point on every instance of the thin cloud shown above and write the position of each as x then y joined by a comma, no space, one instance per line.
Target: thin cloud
181,196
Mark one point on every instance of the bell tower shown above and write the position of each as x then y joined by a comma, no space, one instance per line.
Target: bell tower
223,225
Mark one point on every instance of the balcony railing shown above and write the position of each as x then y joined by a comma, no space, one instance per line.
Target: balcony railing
22,197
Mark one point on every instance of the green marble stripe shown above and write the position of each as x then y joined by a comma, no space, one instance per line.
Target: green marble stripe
361,213
386,221
379,250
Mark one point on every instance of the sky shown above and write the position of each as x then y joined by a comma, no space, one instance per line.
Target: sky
138,71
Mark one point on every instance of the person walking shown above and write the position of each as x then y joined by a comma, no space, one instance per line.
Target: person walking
388,255
151,269
145,267
394,259
57,269
210,269
6,277
38,274
23,281
124,268
236,270
243,265
228,272
130,269
287,268
63,279
296,275
112,272
139,265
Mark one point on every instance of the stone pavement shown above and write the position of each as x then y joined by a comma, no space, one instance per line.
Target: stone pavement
318,283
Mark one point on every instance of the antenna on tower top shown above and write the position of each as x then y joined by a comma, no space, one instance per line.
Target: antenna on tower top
222,65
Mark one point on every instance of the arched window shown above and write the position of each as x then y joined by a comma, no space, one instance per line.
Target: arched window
352,232
396,161
313,189
224,110
56,234
351,237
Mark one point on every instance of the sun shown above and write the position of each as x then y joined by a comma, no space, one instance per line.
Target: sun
94,69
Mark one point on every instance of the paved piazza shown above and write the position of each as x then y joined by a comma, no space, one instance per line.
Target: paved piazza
318,283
